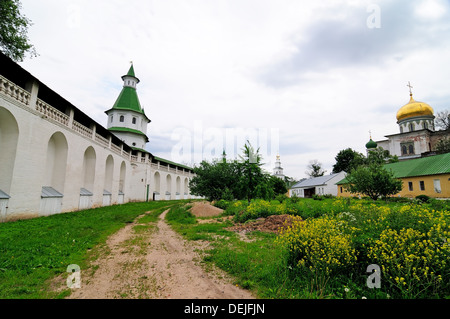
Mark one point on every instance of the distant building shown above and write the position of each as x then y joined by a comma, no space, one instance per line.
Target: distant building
417,135
422,176
278,170
323,185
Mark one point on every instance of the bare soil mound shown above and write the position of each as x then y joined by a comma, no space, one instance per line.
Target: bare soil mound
205,209
270,224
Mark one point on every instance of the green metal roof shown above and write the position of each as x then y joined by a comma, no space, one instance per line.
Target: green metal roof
371,144
131,71
128,100
126,129
432,165
172,163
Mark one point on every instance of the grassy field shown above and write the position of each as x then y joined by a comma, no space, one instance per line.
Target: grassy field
32,252
326,252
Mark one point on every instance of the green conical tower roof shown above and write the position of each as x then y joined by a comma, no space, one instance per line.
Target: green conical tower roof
131,71
128,99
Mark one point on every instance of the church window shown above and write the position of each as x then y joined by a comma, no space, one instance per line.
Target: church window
112,117
425,125
410,186
422,185
122,118
411,127
404,150
134,120
411,149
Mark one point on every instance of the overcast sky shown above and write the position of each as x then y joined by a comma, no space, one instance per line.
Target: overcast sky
307,78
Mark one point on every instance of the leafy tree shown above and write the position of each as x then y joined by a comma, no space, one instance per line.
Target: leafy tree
346,160
315,169
215,180
252,174
443,146
380,156
238,179
374,181
14,41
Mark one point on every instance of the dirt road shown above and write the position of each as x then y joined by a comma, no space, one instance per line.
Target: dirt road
142,261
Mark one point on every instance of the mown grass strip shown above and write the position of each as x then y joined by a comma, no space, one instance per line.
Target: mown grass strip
32,252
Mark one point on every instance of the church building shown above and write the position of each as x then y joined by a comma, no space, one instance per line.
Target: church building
54,158
417,136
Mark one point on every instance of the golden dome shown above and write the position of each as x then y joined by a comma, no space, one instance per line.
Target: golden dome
414,108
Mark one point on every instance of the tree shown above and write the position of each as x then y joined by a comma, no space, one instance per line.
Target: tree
380,156
373,180
14,41
252,174
315,169
443,146
442,120
346,160
216,180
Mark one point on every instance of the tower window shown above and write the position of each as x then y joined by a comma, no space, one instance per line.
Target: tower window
122,118
112,117
134,120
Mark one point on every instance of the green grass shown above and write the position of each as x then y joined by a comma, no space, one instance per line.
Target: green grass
263,267
32,252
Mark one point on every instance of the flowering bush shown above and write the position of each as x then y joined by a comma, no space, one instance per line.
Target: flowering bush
318,244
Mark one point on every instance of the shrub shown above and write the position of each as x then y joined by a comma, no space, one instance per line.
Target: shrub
222,204
412,261
318,245
423,198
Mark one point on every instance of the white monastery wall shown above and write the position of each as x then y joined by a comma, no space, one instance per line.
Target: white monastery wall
42,147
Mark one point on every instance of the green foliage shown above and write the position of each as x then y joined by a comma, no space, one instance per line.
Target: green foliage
346,160
423,198
325,253
14,41
229,180
374,181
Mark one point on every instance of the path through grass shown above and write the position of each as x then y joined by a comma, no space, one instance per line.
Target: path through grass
32,252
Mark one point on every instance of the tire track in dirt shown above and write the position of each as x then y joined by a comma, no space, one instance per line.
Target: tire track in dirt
157,264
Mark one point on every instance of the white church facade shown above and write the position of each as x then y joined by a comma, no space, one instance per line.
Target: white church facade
54,158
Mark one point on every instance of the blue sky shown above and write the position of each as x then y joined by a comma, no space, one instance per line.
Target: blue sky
309,77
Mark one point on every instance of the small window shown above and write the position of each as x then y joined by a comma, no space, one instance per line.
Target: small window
112,118
422,185
410,186
122,118
134,120
341,190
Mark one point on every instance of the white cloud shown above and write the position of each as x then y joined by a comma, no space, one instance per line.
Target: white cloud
311,69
